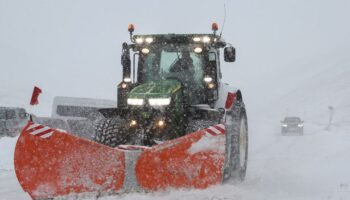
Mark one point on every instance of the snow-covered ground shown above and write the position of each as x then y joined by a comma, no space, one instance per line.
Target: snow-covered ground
9,186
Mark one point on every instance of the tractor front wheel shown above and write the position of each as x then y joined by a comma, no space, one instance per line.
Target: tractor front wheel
109,132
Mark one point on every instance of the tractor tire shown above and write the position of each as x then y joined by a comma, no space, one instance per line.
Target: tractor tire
236,150
109,132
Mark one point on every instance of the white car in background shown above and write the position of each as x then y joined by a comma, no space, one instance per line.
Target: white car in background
292,126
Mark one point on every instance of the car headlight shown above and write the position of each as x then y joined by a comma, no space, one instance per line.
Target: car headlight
284,125
159,101
300,125
135,102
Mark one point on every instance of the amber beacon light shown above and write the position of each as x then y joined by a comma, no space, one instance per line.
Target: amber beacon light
131,28
214,27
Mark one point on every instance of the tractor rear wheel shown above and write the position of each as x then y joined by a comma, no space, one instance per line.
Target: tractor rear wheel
236,155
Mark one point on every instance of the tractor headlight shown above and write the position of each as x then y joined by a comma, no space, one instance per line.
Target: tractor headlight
124,85
135,102
206,39
133,123
127,79
160,123
149,40
196,39
211,85
198,50
208,79
159,101
145,51
139,40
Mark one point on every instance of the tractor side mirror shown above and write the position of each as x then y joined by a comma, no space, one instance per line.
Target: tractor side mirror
229,54
126,63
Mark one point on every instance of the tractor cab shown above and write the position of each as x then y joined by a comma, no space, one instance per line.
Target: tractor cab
170,81
191,59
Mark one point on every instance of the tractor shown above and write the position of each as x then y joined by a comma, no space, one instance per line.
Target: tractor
176,125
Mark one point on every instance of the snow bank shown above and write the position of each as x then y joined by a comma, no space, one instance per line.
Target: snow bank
9,186
7,148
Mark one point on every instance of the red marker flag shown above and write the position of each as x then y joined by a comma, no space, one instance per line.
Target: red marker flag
35,95
231,97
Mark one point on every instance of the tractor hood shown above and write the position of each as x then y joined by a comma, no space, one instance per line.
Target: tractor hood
158,89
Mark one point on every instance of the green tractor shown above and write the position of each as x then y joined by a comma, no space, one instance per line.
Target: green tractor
177,125
171,87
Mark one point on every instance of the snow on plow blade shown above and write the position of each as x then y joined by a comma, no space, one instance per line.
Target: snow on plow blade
51,163
193,161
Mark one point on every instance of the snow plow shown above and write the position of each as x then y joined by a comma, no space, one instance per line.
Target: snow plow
176,125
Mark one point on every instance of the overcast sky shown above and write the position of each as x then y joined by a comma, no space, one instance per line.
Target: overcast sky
72,47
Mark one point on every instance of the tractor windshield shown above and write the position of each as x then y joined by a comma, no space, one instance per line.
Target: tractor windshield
173,61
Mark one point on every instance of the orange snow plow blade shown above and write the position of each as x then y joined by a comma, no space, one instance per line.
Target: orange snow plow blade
193,161
51,163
